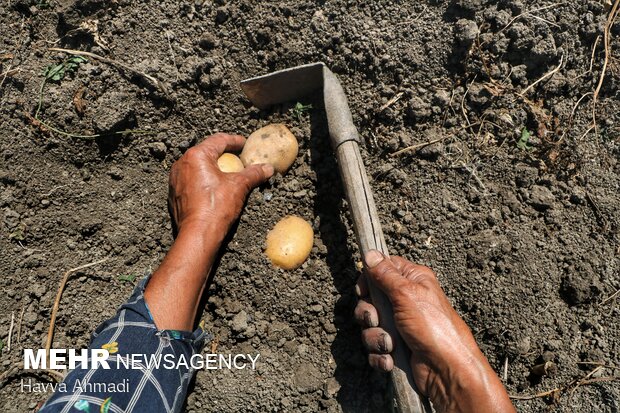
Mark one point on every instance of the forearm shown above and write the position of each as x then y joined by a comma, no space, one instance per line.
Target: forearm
470,384
173,292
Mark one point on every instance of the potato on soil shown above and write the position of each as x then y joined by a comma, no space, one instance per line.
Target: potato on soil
273,144
289,242
229,163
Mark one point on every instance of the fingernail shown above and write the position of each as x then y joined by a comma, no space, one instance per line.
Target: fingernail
385,343
268,169
383,363
373,258
367,318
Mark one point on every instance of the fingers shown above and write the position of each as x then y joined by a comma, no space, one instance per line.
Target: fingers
256,174
377,340
215,145
361,287
414,272
383,272
366,314
381,362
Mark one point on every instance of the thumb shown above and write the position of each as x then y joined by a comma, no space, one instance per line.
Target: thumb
382,271
257,174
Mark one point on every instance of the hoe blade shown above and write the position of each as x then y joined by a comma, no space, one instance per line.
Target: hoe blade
283,85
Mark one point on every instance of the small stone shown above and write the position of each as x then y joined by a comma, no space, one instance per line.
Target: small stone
581,285
307,378
115,173
541,197
466,31
432,152
578,196
240,322
38,290
221,15
158,150
208,41
332,387
300,194
418,108
317,308
441,98
45,203
118,113
526,175
523,345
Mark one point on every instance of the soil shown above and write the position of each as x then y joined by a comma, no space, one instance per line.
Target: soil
514,203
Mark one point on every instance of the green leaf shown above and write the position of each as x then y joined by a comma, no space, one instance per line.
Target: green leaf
54,72
128,278
57,72
524,140
300,109
18,234
1,346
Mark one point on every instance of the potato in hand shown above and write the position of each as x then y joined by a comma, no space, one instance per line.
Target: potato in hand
273,144
229,163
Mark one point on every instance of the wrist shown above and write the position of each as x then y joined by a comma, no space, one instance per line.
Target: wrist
212,228
469,384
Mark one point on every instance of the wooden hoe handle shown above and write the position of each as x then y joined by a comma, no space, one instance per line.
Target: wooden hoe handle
370,236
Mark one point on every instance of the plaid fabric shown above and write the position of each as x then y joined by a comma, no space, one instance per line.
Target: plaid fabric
146,389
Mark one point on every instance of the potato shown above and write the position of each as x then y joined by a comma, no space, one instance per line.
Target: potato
289,242
273,144
229,163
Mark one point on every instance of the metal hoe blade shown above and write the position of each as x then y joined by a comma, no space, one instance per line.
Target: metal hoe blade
283,85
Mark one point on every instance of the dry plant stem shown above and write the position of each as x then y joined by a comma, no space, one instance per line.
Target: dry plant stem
15,368
606,43
571,118
416,147
611,297
9,72
153,80
390,102
63,282
547,75
529,12
8,345
573,385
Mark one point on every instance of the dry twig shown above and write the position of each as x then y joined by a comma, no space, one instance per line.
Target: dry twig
529,12
572,385
8,345
63,282
417,146
159,84
607,44
390,102
545,76
611,297
15,368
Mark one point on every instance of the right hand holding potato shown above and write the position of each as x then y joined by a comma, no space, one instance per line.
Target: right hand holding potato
447,364
201,195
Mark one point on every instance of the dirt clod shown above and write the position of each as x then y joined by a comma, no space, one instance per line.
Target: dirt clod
541,197
581,285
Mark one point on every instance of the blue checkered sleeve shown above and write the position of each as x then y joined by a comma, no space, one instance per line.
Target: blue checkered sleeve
134,385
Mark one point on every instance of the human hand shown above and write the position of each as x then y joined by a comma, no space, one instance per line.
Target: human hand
201,195
447,364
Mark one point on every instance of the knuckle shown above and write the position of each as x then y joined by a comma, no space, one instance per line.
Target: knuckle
191,154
